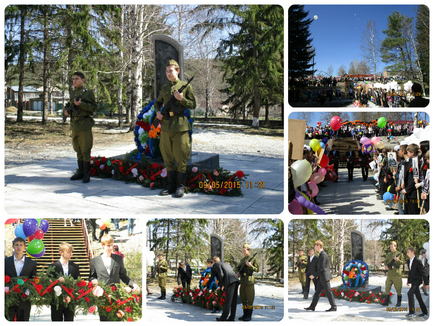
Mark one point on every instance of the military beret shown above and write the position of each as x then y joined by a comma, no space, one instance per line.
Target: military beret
246,246
393,243
301,249
173,63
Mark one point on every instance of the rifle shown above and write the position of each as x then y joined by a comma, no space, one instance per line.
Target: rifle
245,266
72,107
170,105
391,264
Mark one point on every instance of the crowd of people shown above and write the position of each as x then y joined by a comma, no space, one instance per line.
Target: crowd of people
401,173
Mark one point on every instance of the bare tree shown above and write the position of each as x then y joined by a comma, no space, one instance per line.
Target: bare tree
354,65
370,45
342,71
330,70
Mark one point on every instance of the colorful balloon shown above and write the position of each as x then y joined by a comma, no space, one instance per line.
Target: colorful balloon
365,140
335,123
379,145
317,177
306,203
375,140
324,161
381,122
295,208
313,189
19,233
44,226
35,247
30,226
315,144
388,197
301,171
323,171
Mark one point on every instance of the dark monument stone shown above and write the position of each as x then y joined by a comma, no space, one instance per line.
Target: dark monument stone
358,253
217,246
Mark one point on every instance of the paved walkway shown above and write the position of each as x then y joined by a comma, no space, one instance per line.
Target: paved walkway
357,197
165,311
352,311
45,188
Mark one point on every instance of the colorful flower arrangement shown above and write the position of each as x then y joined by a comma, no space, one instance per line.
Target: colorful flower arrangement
197,297
146,136
117,303
205,280
153,175
342,292
355,274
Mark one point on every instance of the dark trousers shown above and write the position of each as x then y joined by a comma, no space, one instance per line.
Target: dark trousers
19,314
414,290
186,282
365,172
307,286
61,314
336,167
231,301
350,173
323,284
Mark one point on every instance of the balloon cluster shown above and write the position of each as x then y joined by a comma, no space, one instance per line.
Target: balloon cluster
104,223
369,144
33,230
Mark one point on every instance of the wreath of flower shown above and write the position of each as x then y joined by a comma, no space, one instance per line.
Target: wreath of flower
145,133
197,297
355,274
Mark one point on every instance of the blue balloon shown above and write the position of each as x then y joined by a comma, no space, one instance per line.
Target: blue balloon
388,197
322,145
19,233
44,226
325,140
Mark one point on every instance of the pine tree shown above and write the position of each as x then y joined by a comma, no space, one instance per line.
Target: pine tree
422,40
300,54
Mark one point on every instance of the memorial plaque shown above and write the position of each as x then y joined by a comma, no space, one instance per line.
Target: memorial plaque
217,246
165,49
357,245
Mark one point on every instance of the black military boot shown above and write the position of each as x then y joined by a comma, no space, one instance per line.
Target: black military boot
171,184
243,316
164,294
386,301
306,295
79,174
181,179
86,172
248,316
161,296
398,303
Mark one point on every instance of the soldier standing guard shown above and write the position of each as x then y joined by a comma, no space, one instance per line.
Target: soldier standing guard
81,125
394,262
175,138
245,268
301,265
162,269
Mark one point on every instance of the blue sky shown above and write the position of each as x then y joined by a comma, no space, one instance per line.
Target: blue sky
338,30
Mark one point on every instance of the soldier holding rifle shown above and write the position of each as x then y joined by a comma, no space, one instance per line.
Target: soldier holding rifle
394,261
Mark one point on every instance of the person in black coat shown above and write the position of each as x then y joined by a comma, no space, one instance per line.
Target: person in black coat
184,275
63,267
310,270
410,191
109,269
334,157
350,156
228,282
18,265
324,276
416,275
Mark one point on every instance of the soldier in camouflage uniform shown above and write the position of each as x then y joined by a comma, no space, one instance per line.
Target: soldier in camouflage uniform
301,265
81,125
175,138
162,268
247,281
394,262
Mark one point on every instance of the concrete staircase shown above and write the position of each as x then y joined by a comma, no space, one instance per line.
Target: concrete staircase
74,235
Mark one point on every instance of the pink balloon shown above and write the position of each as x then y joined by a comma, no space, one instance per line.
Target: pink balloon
375,140
323,171
313,188
317,177
295,208
365,140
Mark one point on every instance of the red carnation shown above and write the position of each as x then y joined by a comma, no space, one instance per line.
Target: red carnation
103,159
81,283
239,174
17,288
39,287
24,295
130,319
113,288
411,169
147,127
92,171
86,299
108,309
7,279
154,165
90,285
128,309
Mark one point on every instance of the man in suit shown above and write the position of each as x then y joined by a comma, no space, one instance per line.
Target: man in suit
350,155
310,270
63,267
410,191
324,277
416,275
109,269
334,157
18,265
228,282
184,275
